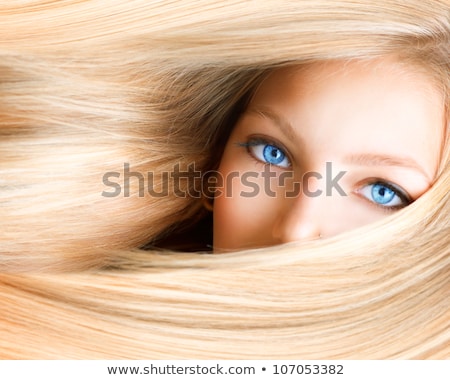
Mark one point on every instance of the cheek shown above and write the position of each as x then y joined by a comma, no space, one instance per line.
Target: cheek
243,212
228,224
226,213
241,222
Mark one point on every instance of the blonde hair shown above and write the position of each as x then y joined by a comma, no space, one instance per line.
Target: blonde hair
86,87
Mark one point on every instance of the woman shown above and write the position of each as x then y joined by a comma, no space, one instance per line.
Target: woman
381,122
89,90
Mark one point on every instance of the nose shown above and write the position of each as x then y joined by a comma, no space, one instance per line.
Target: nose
300,219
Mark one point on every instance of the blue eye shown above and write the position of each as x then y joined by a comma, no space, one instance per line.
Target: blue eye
385,195
268,153
273,155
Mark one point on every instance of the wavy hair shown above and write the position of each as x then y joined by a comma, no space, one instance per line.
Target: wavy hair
86,86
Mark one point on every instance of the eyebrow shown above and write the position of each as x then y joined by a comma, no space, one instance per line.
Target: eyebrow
285,126
370,159
362,159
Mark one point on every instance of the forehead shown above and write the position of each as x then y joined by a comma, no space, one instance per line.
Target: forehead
382,106
383,73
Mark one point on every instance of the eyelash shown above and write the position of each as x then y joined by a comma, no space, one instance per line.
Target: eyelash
395,189
253,142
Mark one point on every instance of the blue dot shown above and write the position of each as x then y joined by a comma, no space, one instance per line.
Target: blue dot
273,155
382,194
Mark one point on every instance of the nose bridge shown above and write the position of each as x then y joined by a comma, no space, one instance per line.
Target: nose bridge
301,218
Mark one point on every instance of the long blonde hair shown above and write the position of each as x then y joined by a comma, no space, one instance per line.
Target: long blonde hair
86,87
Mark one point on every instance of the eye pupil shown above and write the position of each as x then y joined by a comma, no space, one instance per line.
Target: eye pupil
273,155
382,194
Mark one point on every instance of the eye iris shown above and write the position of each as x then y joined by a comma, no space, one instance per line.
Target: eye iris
273,155
382,194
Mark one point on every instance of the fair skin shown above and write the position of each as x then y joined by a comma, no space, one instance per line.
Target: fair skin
380,122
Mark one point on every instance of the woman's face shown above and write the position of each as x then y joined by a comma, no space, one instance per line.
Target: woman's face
327,148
